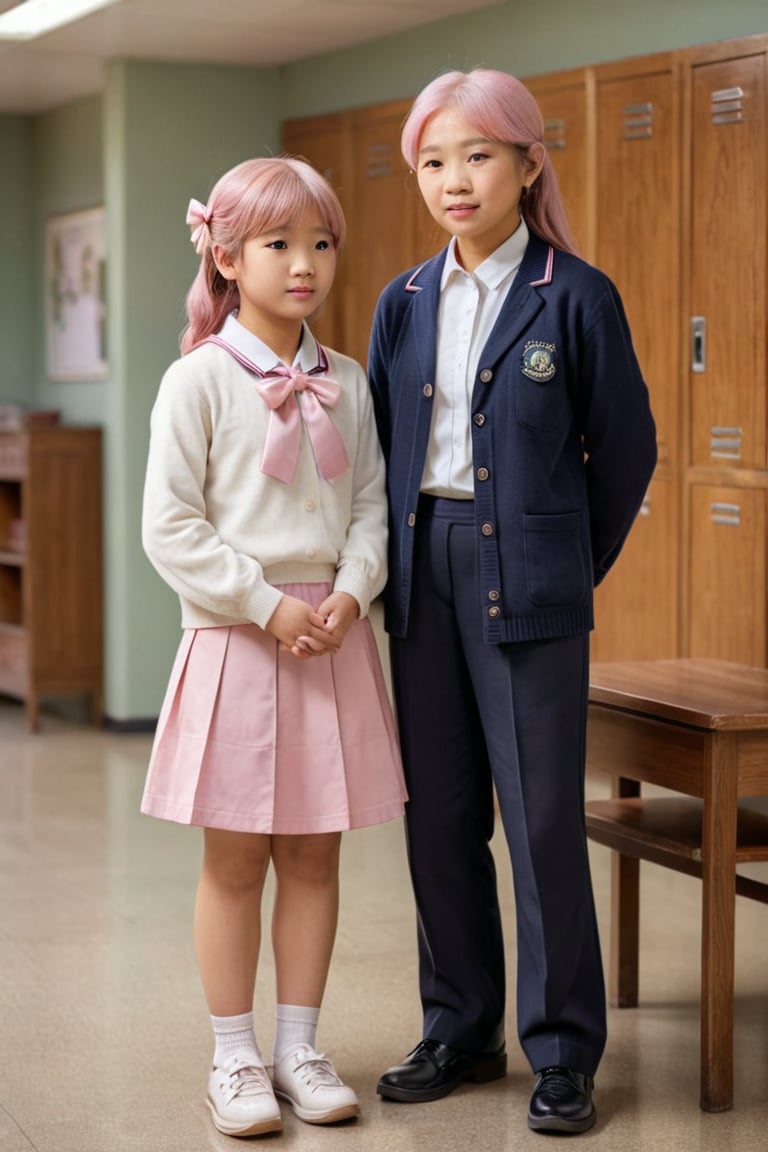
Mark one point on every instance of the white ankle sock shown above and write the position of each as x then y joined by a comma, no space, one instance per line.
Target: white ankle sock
294,1024
235,1034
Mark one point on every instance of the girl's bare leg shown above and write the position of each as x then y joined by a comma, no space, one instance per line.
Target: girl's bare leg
305,914
227,925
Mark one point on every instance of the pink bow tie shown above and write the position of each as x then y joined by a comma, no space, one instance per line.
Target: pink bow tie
281,390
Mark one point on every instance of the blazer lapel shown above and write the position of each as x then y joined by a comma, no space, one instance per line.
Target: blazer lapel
425,284
523,301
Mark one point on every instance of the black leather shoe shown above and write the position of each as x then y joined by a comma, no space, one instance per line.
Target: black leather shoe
561,1102
433,1070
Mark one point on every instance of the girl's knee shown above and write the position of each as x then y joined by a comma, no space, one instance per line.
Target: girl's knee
235,860
313,859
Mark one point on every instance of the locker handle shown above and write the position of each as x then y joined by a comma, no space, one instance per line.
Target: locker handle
698,343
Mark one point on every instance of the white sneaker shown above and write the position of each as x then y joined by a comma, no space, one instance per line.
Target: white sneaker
308,1082
241,1099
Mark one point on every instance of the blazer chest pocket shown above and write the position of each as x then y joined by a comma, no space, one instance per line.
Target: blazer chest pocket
554,559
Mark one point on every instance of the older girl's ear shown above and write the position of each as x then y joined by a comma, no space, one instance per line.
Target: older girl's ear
534,162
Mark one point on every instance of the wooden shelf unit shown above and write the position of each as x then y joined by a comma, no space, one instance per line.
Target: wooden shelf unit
51,595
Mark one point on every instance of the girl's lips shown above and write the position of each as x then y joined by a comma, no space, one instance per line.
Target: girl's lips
461,209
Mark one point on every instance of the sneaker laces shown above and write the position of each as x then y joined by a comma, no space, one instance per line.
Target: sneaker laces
243,1078
315,1070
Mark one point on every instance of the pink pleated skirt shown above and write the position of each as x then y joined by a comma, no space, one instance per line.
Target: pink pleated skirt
251,739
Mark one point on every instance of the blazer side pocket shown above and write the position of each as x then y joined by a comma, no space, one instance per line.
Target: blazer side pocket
554,559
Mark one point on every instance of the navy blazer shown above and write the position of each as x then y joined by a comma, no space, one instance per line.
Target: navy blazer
563,439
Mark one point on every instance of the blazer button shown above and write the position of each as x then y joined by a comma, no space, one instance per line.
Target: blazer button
483,473
486,375
427,390
487,529
494,613
411,519
493,594
479,419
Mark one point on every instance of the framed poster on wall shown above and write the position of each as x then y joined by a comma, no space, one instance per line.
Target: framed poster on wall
75,282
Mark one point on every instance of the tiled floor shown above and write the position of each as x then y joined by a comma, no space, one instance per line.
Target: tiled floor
104,1036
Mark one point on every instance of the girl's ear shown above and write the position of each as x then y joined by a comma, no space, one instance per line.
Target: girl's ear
533,163
223,262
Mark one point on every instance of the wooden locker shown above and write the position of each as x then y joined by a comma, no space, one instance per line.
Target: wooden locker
636,606
392,228
727,253
565,100
325,141
638,205
638,147
727,572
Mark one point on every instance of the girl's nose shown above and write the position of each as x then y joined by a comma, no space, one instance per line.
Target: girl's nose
303,264
456,179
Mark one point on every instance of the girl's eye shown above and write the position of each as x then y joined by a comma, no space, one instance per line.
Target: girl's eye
479,156
431,163
322,245
279,244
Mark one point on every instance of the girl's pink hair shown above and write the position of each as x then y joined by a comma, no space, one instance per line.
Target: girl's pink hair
500,108
254,197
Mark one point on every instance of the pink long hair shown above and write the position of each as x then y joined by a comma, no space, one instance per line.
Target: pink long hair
500,108
254,197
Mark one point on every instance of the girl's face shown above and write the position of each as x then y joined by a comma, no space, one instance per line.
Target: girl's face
472,186
283,276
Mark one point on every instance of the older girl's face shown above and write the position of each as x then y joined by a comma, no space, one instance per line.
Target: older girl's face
472,186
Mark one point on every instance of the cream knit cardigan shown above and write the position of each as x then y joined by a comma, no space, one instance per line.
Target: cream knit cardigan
220,532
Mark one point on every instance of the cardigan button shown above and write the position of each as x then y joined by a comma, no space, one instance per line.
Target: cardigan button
483,473
493,594
494,613
427,390
487,529
411,519
486,375
479,419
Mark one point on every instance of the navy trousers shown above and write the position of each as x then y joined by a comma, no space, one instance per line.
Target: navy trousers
473,716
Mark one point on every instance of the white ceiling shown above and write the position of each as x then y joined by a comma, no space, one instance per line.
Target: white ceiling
68,63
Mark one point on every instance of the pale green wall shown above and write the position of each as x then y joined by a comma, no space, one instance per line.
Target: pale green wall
525,37
17,265
68,177
170,132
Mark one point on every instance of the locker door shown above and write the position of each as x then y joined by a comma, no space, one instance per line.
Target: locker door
325,142
727,377
727,573
392,228
636,606
564,101
638,220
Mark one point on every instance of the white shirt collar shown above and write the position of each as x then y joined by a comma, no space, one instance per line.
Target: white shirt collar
495,268
249,345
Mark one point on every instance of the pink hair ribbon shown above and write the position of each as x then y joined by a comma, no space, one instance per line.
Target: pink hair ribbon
281,390
199,218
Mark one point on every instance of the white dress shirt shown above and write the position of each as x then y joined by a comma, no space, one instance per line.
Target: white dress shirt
470,303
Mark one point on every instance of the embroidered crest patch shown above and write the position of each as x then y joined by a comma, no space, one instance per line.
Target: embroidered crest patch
539,360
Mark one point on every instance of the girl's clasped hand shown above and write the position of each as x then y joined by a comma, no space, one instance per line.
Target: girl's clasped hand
306,631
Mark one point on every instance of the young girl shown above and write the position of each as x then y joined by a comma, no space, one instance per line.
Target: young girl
264,509
519,444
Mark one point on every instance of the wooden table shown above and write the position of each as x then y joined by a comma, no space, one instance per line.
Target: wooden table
699,728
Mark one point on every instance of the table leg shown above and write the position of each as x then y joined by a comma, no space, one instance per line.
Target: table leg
625,917
718,860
